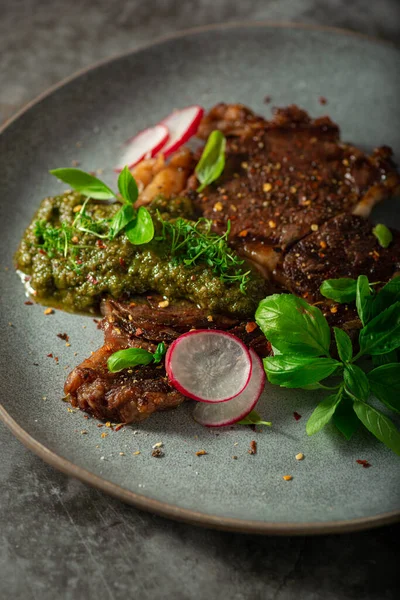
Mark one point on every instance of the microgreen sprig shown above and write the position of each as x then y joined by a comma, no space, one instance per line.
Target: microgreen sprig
193,243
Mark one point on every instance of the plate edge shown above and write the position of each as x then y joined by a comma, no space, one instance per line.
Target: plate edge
186,515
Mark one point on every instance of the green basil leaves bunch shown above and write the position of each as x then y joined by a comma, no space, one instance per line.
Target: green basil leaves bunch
301,340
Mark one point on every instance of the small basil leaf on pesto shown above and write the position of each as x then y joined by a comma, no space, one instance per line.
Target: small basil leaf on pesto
340,290
141,229
127,186
212,161
121,219
253,418
131,357
383,235
84,183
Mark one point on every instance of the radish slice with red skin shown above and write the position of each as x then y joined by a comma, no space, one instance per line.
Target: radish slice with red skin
227,413
182,125
208,365
145,144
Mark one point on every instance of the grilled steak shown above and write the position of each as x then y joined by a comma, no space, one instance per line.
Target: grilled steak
134,394
297,199
284,178
125,397
343,247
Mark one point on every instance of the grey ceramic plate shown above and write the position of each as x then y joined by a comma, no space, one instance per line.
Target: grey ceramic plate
100,108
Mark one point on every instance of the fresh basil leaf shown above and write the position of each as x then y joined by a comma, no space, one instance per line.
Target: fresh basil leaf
293,326
212,161
140,230
121,219
296,371
84,183
344,345
345,419
253,418
379,425
363,299
385,359
340,290
131,357
383,235
388,295
127,186
385,385
159,353
356,382
382,334
322,414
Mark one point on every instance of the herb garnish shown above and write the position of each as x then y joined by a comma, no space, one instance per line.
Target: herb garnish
383,235
212,161
132,357
301,338
253,418
138,225
193,243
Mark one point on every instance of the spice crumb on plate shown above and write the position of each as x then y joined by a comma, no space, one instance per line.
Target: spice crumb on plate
157,453
201,453
287,477
253,447
136,453
299,456
48,311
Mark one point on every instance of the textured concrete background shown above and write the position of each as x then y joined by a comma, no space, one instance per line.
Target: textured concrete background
62,540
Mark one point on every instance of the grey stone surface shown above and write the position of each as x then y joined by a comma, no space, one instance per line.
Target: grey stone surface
61,539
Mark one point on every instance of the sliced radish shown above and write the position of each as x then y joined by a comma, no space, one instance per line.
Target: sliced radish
227,413
182,125
209,366
145,144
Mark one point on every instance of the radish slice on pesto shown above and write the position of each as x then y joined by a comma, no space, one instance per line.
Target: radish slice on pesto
227,413
208,366
145,144
182,125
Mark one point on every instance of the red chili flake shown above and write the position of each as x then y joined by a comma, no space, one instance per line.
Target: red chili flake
122,262
253,447
28,303
96,321
79,261
296,416
100,244
50,355
56,358
41,251
63,336
120,426
323,100
92,279
139,331
364,463
267,99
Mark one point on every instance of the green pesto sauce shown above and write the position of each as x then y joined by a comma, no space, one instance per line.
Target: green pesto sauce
119,269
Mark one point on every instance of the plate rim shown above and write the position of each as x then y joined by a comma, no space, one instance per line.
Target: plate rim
140,501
